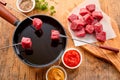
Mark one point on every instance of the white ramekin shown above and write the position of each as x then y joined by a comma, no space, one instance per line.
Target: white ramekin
59,68
80,58
18,7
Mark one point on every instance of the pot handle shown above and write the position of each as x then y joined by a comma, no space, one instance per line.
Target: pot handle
4,13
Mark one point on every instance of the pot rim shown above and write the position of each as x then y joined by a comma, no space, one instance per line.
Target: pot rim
34,65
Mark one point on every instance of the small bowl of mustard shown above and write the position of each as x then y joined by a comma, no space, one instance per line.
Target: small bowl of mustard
56,73
25,6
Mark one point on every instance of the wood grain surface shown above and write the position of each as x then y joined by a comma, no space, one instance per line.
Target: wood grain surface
110,56
92,68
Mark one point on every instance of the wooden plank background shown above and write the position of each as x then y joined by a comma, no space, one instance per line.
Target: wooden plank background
92,68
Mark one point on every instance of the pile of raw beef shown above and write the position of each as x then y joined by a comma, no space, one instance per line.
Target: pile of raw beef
88,22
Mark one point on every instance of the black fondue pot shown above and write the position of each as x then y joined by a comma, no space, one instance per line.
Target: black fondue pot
44,51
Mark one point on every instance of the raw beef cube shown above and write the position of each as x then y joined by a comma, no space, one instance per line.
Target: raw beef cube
89,29
97,15
90,7
94,21
82,21
77,25
88,18
101,36
26,43
80,33
73,25
73,17
55,35
83,11
98,27
37,23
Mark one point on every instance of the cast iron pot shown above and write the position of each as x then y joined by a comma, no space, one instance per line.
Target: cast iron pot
44,51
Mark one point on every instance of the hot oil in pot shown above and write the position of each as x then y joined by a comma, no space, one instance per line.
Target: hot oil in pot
44,50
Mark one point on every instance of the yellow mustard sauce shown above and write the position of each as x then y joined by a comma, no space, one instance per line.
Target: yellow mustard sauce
56,74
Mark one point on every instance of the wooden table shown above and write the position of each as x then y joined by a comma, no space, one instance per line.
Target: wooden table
92,68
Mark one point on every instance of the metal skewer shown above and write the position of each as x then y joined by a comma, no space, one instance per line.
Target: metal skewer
19,12
10,46
100,46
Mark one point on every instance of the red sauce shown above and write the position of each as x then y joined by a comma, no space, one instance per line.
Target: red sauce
71,58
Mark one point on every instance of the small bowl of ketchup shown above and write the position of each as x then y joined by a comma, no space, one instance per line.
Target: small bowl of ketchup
72,58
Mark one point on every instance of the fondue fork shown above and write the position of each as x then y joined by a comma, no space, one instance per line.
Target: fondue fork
100,46
10,46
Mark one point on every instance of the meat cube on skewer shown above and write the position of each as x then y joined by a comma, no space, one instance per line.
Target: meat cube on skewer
55,35
26,43
37,23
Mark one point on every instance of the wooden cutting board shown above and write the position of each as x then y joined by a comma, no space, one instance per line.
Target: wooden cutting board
64,10
108,55
104,54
